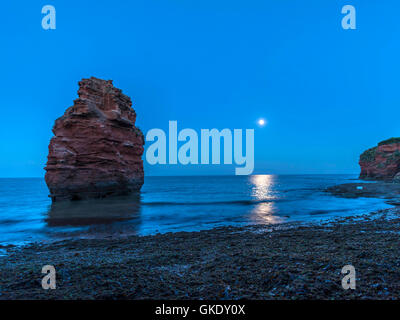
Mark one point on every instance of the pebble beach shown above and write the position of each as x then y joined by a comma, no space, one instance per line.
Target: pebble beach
254,262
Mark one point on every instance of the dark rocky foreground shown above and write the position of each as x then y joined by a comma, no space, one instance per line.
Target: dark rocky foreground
289,262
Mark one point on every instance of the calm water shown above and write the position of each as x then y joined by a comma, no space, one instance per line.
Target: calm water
174,204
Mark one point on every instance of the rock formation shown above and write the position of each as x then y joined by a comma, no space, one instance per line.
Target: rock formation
381,162
96,149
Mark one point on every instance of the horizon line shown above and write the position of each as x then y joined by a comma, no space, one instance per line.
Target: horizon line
220,175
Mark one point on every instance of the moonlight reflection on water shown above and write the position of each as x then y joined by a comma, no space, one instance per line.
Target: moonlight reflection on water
262,190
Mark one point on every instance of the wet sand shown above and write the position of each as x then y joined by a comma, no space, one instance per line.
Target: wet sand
255,262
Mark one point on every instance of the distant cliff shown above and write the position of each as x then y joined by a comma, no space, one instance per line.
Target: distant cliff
381,162
96,150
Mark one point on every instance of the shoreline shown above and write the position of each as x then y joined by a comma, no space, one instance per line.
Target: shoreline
285,261
159,212
119,234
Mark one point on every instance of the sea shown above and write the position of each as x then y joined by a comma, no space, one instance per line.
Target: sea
174,204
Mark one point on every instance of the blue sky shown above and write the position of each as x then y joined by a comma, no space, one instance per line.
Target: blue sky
327,93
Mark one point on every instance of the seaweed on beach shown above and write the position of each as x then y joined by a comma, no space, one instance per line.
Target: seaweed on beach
258,262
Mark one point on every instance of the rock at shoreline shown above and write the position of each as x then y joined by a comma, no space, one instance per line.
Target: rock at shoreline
381,162
379,189
96,150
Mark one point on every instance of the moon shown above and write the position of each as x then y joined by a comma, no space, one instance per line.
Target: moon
261,122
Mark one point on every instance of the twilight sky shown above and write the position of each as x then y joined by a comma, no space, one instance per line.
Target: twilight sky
327,93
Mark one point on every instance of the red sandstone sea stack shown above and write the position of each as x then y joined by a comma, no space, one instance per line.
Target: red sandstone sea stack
96,150
381,162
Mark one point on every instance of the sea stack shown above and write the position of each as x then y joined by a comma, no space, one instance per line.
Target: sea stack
96,150
381,162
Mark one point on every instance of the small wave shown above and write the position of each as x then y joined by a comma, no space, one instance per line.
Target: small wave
238,202
10,221
319,212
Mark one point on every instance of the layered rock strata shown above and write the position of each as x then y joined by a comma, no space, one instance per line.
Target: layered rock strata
96,150
381,162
